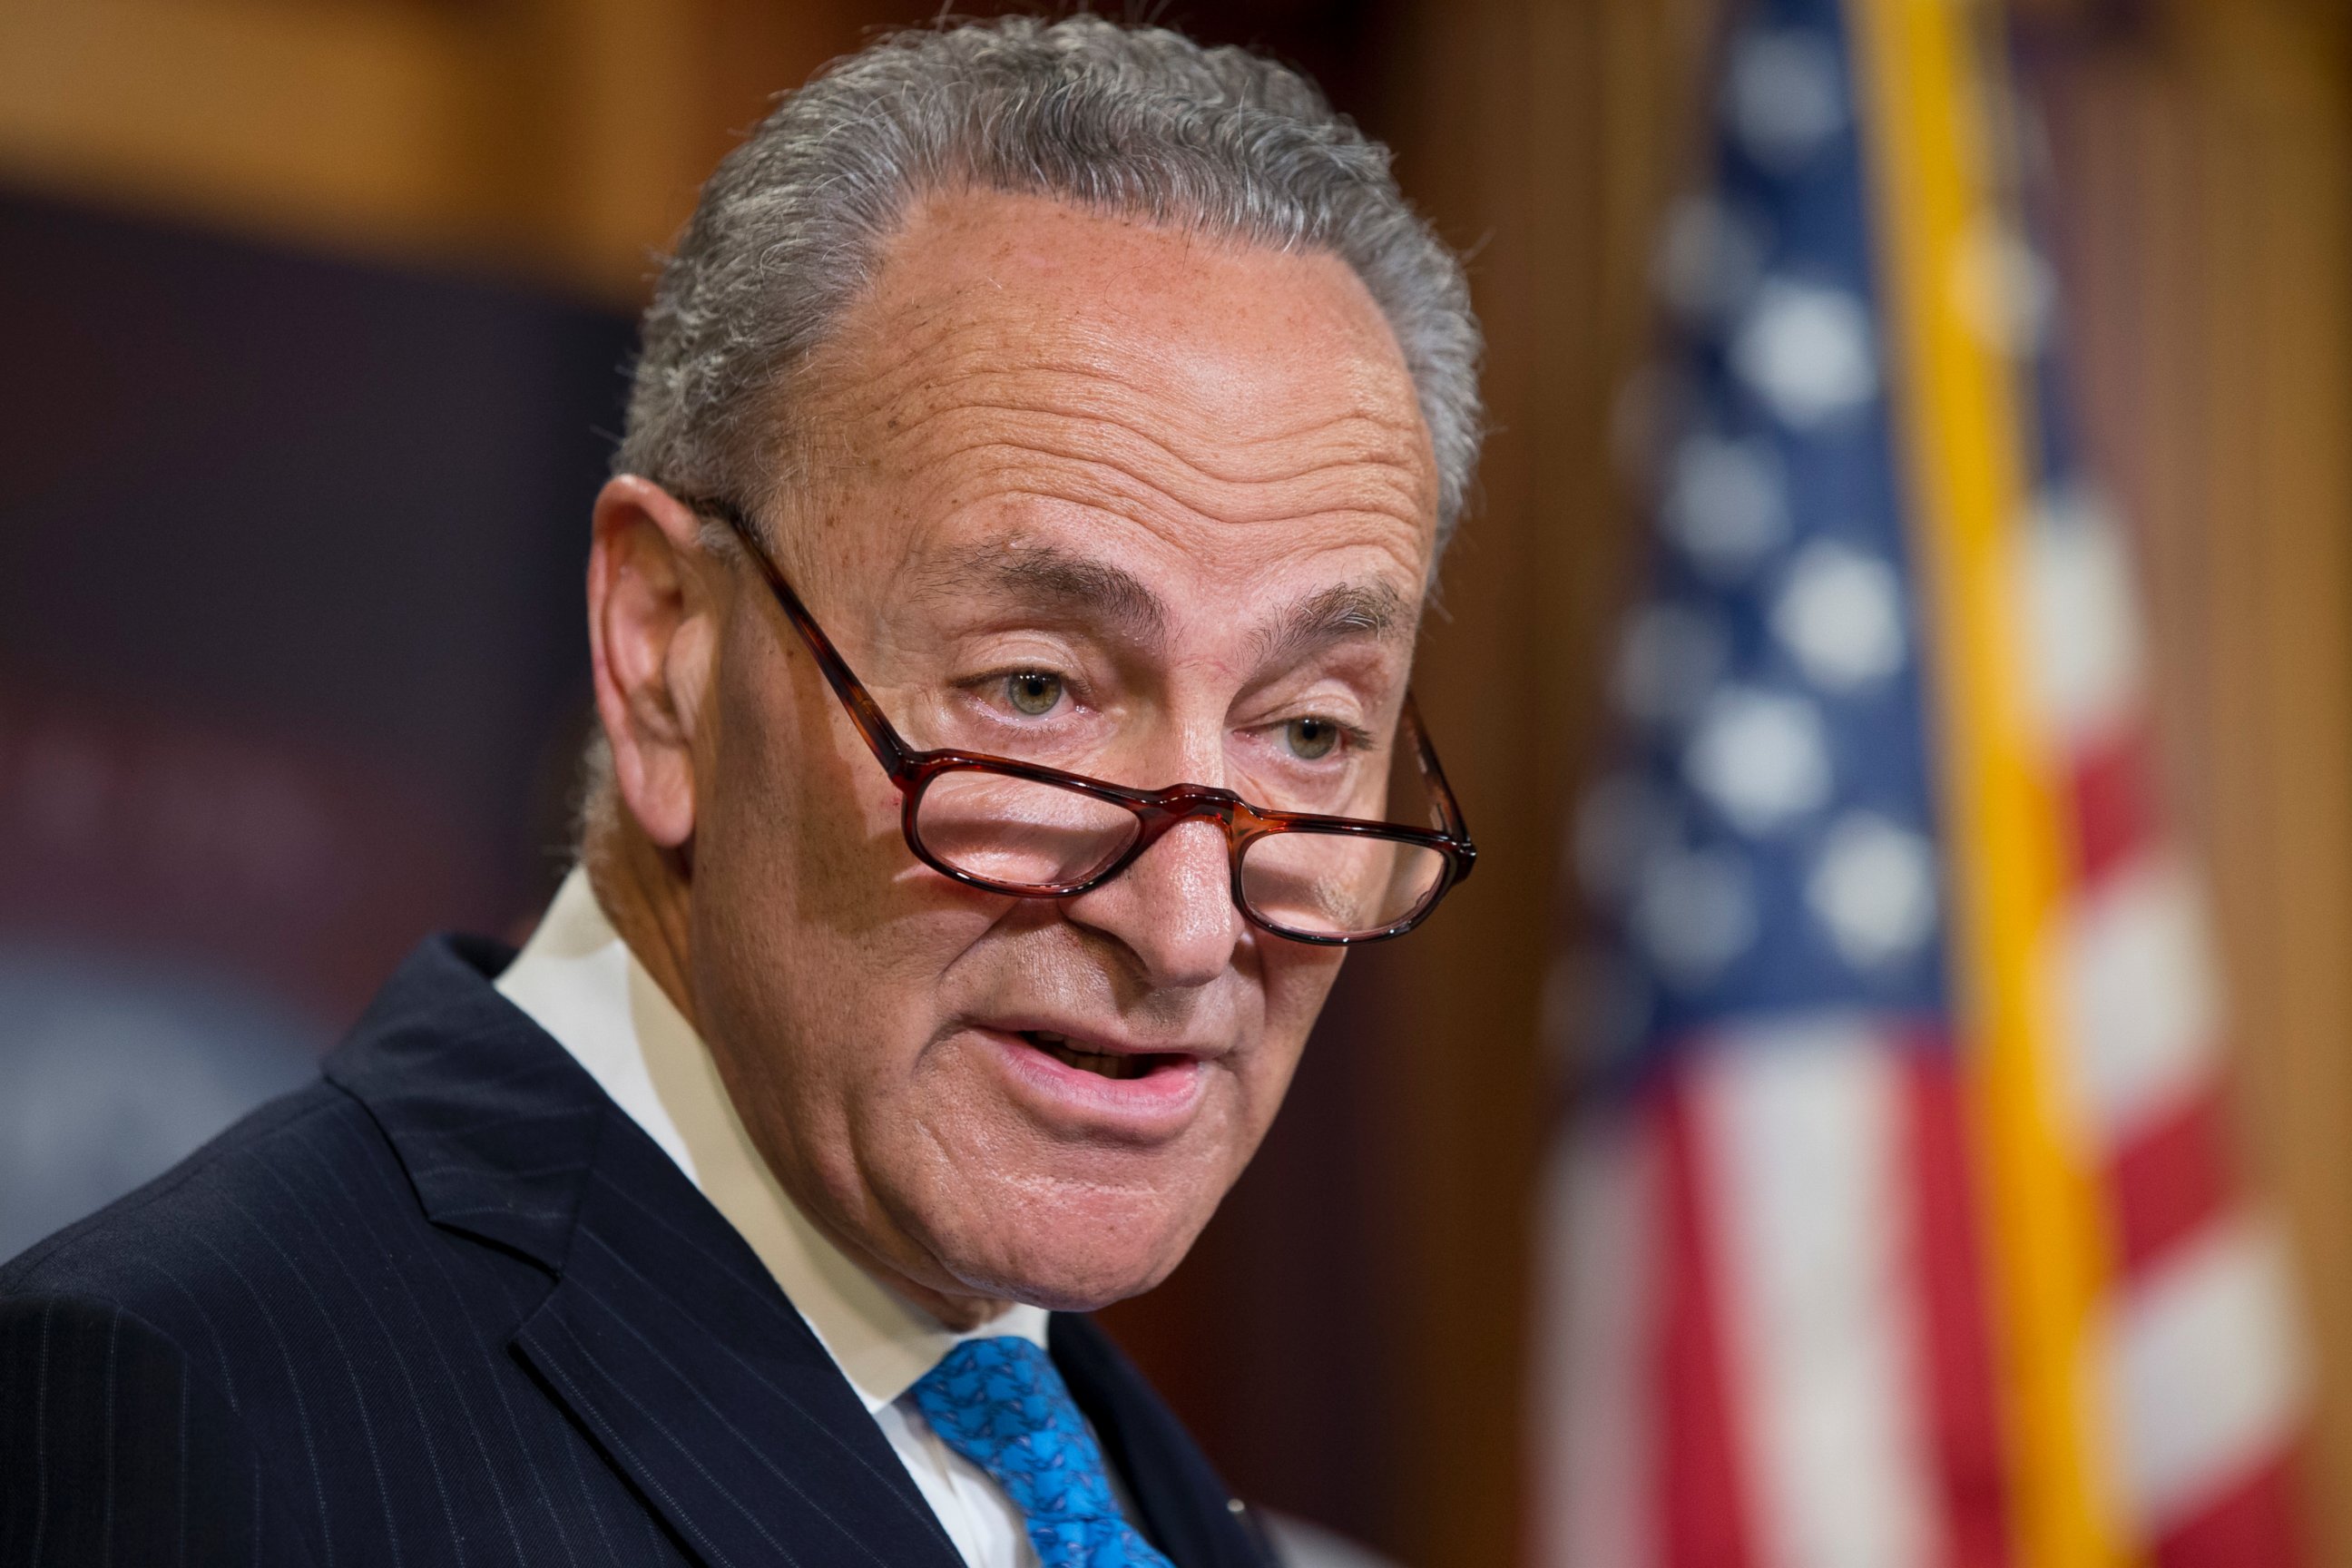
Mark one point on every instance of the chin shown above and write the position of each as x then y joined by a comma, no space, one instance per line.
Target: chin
1072,1249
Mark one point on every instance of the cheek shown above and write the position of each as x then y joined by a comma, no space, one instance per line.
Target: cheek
789,844
800,839
1296,980
817,945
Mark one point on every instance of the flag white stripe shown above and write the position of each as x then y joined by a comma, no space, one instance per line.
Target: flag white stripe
2208,1369
1598,1480
2146,1009
2081,625
1805,1133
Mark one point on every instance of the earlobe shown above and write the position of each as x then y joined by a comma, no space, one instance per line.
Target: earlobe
650,640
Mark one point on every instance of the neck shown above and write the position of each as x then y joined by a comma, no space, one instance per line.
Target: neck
645,892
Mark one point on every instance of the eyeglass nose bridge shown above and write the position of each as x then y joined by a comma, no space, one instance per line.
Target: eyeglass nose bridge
1161,812
1158,813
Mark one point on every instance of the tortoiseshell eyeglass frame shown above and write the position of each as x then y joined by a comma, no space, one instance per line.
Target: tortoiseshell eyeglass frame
1156,811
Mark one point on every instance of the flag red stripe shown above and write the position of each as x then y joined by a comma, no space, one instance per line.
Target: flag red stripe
1964,1420
2115,815
2255,1524
1702,1515
2169,1179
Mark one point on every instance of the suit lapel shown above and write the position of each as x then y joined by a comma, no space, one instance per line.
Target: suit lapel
669,1343
1187,1511
663,1336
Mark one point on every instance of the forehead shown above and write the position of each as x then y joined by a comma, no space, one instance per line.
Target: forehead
1024,370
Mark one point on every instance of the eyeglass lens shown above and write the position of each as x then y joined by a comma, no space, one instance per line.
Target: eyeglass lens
1020,832
1337,884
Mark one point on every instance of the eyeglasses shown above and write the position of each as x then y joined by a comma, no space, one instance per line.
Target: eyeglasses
1035,832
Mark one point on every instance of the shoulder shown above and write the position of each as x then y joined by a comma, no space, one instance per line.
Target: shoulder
271,1332
311,1319
289,1255
305,1171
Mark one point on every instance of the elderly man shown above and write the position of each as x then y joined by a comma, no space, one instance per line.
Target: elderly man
1001,616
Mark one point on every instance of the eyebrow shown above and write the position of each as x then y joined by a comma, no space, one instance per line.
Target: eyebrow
1063,583
1369,611
1058,581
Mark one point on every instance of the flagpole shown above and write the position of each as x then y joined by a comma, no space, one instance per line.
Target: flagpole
1965,440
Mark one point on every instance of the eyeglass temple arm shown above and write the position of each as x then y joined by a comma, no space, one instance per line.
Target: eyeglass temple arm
1449,810
865,713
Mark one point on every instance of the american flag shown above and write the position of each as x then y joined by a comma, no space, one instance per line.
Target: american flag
1891,1225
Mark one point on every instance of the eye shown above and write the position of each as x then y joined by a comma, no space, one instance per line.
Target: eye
1033,691
1310,739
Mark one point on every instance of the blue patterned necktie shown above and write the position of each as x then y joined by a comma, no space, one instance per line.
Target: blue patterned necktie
1000,1404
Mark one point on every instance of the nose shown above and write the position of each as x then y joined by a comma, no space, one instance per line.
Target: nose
1173,909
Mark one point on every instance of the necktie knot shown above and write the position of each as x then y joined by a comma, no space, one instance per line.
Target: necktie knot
1001,1404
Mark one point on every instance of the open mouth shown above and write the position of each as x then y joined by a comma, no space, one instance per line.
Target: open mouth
1103,1064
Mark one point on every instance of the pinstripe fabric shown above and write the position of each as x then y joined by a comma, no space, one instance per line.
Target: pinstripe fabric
449,1306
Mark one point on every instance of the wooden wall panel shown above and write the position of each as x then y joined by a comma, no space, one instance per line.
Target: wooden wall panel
277,117
559,139
1547,137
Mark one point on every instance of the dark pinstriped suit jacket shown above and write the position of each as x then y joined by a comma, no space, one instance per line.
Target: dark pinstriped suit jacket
451,1306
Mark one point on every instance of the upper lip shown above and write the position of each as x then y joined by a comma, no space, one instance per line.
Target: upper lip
1096,1042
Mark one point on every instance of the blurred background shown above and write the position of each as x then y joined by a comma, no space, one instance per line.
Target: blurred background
313,316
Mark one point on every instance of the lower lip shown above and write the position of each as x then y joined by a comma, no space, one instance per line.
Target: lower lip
1156,1105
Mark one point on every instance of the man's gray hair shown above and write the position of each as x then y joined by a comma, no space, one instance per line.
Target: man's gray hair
1130,120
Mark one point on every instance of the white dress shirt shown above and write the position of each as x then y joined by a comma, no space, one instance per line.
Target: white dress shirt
578,980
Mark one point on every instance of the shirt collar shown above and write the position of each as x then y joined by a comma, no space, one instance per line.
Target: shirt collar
578,980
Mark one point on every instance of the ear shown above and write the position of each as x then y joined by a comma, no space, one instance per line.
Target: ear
653,633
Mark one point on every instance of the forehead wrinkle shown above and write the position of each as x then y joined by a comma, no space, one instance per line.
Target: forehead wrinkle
1036,382
988,356
1346,483
1353,437
1319,492
918,387
971,319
